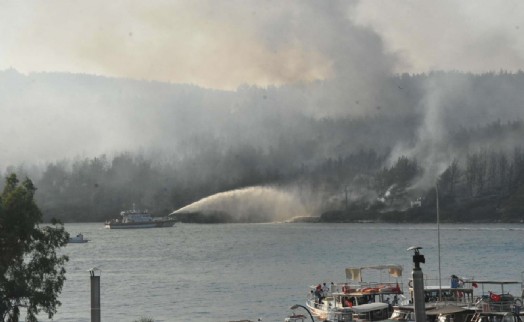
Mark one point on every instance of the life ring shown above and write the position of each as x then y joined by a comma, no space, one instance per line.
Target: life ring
410,283
517,302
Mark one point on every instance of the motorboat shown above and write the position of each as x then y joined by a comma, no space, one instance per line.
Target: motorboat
358,299
131,219
78,239
462,302
499,305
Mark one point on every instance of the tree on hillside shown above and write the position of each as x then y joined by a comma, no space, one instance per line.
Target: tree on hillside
31,272
398,178
449,179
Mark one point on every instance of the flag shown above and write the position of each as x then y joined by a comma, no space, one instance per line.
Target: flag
494,297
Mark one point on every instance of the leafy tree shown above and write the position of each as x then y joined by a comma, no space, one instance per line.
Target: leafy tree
31,272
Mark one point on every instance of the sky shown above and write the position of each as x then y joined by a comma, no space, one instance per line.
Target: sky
225,44
351,46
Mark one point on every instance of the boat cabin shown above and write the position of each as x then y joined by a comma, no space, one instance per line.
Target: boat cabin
499,300
364,312
460,294
371,312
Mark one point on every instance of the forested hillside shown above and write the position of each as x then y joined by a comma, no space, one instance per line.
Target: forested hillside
184,143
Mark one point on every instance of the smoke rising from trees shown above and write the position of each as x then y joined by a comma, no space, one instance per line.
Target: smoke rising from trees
299,94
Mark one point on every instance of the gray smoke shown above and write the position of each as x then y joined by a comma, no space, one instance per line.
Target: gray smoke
253,204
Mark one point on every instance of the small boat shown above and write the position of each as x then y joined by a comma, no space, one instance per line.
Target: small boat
78,239
138,219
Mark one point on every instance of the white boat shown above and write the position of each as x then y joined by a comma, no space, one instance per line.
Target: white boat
500,306
78,239
134,218
358,300
468,301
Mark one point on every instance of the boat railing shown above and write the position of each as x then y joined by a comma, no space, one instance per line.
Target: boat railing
461,283
340,287
382,286
506,304
459,301
455,296
378,287
314,304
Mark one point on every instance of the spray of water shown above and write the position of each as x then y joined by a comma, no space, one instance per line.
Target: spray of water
253,204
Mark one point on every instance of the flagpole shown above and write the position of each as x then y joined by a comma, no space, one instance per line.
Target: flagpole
438,242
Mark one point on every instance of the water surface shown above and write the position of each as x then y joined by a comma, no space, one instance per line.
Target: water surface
225,272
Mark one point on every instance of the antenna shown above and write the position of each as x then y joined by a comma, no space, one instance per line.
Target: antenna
417,258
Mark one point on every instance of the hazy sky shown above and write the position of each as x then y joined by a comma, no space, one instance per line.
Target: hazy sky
223,44
218,44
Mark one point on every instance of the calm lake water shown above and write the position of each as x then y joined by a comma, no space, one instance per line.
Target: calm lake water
228,272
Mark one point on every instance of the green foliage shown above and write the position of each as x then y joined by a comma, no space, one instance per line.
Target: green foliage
31,272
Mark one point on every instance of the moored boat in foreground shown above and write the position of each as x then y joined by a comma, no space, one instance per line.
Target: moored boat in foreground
357,300
468,301
138,219
500,306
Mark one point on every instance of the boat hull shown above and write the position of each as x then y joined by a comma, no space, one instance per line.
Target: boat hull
78,239
140,225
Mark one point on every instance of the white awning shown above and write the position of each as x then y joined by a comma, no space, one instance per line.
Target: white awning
355,273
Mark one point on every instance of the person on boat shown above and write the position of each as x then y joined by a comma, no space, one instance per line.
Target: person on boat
454,281
345,288
334,288
318,293
395,300
325,290
388,302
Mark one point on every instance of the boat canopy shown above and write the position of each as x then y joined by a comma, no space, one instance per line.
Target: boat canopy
499,282
355,273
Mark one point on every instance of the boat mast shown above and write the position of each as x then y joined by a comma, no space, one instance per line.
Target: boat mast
438,242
